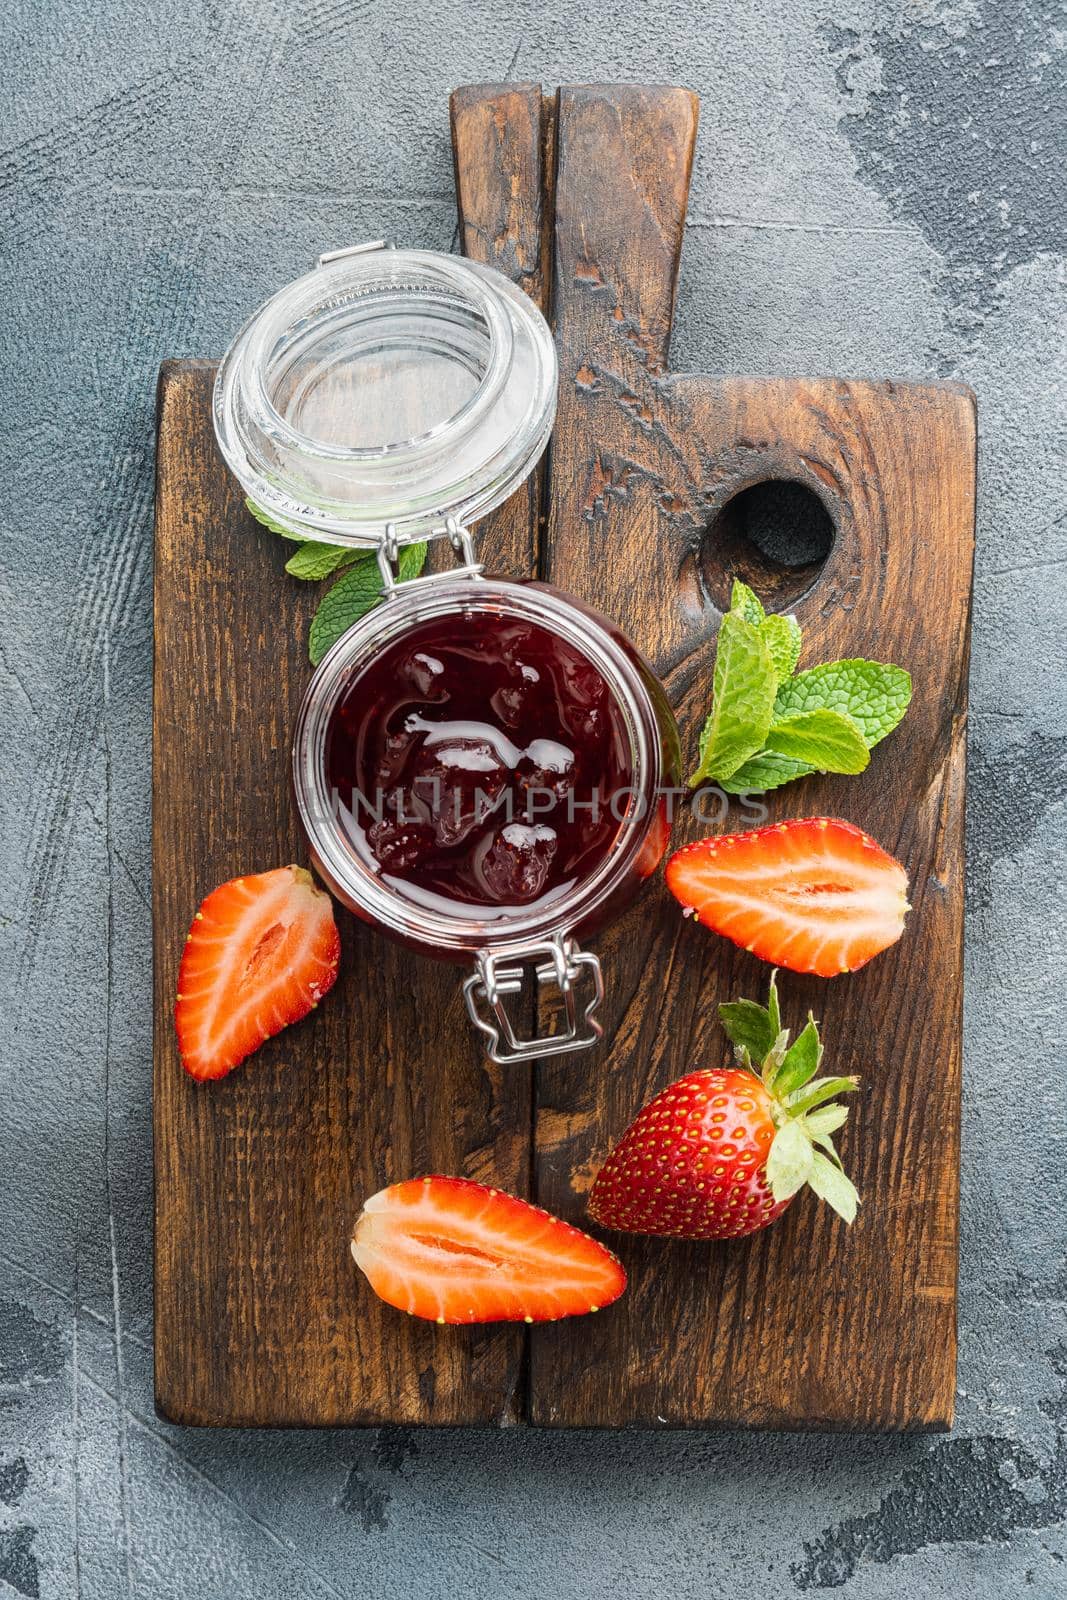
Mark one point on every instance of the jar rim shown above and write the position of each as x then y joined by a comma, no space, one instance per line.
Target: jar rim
461,465
291,302
467,931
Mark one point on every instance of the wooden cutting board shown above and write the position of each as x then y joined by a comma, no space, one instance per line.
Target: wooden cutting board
261,1318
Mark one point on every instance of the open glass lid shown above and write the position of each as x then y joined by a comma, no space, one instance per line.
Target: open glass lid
387,387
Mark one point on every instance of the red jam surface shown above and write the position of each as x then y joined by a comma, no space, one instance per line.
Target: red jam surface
482,760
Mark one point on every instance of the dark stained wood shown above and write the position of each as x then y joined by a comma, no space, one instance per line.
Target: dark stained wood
501,144
810,1324
260,1318
503,199
259,1178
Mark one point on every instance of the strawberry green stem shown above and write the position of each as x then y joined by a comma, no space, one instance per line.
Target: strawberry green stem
803,1106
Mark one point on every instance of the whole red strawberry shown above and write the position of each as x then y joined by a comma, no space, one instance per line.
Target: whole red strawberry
723,1151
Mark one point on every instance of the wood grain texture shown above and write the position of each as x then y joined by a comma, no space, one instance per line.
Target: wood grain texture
260,1318
259,1178
503,193
810,1324
502,150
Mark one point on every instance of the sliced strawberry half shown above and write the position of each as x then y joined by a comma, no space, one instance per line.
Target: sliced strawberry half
262,951
815,894
451,1250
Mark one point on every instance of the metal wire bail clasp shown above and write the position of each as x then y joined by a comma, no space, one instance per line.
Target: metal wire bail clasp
459,538
347,250
496,977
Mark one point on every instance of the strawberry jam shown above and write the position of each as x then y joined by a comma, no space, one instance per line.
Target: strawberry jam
480,760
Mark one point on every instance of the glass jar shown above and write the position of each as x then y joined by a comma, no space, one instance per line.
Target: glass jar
394,396
386,387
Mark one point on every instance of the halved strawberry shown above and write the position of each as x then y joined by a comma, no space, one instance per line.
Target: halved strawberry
262,951
451,1250
815,894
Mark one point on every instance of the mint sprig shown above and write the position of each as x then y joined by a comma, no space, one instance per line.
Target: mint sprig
770,724
315,561
781,635
873,693
356,592
265,520
765,771
744,691
819,737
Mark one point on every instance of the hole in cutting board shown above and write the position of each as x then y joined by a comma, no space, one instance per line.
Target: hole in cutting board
775,536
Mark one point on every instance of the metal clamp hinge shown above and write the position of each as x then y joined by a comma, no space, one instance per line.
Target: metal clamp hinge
496,977
458,537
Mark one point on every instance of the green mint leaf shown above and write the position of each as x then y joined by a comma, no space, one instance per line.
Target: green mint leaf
748,1027
823,739
789,1161
874,694
356,593
743,688
747,602
352,596
267,521
782,637
801,1061
314,560
412,560
833,1186
763,772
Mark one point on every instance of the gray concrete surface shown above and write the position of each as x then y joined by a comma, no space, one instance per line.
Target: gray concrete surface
880,189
